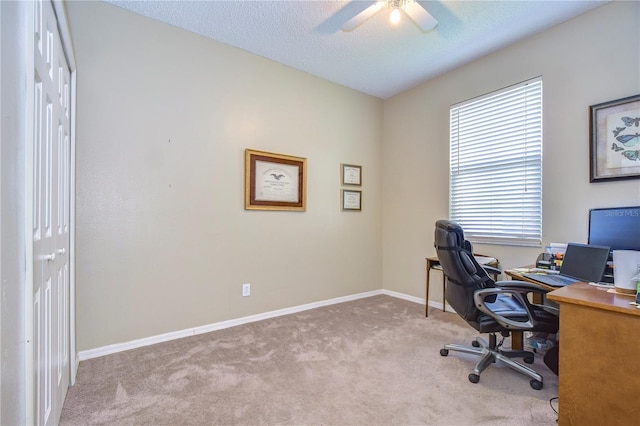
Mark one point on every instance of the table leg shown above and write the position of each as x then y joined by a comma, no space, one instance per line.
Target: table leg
516,340
426,307
444,289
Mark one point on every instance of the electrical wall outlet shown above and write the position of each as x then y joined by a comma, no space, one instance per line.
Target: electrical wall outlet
246,290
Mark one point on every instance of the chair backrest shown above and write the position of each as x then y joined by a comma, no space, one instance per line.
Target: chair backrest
464,274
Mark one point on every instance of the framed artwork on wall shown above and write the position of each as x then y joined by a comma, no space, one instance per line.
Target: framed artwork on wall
274,181
351,200
614,136
351,174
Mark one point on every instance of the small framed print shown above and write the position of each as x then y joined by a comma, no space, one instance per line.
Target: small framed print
351,174
351,200
614,130
274,181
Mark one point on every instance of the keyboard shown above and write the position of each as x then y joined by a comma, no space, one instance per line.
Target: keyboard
552,280
561,280
546,271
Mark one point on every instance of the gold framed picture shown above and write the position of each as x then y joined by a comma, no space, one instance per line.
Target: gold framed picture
274,181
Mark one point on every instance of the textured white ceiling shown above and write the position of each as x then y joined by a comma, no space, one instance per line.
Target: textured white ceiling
375,58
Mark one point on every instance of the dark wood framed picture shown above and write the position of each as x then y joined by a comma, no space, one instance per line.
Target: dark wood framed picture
351,174
614,133
351,200
274,181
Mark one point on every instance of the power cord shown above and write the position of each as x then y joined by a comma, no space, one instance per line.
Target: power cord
555,398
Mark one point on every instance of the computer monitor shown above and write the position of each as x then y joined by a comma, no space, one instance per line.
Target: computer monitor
617,227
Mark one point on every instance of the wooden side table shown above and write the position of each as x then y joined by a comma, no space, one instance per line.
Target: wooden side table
433,263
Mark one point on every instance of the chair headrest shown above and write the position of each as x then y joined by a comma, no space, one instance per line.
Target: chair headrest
449,234
449,226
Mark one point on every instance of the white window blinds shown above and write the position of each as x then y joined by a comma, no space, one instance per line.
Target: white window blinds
495,185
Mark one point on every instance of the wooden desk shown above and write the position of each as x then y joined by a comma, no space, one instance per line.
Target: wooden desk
517,340
434,263
599,347
515,275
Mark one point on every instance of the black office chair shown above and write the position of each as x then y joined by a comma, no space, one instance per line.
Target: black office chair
489,306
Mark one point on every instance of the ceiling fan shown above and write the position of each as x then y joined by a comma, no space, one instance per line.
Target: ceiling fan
411,7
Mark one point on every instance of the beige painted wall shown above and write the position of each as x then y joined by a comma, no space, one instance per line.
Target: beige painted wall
165,115
587,60
163,240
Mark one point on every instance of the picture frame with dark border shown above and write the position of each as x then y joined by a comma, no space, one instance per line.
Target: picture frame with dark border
614,136
351,200
274,181
350,174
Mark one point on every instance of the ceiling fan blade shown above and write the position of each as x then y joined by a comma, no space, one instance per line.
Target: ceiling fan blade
354,22
420,16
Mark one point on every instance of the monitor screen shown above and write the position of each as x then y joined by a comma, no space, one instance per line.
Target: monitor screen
618,228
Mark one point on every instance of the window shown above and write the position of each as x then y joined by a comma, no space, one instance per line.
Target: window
495,185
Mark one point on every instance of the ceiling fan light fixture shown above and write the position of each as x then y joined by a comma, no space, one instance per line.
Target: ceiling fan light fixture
394,17
396,6
412,8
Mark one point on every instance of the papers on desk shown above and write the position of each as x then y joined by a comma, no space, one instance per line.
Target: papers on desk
601,285
484,260
614,291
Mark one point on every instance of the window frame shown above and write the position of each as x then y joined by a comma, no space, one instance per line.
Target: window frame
493,174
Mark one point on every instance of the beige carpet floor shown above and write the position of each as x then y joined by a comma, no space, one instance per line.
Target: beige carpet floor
372,361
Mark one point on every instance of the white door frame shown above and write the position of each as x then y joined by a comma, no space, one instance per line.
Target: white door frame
67,46
65,33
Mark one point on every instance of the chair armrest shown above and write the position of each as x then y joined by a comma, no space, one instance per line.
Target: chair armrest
533,288
517,290
523,285
550,309
491,270
518,294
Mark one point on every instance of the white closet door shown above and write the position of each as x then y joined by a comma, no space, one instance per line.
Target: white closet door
51,192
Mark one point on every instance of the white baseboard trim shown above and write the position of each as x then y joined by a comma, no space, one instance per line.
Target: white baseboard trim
438,306
403,296
419,300
119,347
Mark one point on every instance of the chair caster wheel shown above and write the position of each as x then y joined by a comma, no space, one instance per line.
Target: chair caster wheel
444,352
475,344
474,378
528,360
537,385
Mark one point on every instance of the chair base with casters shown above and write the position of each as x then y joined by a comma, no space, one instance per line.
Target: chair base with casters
490,352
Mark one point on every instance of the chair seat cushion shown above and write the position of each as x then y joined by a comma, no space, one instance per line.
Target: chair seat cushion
506,306
510,308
